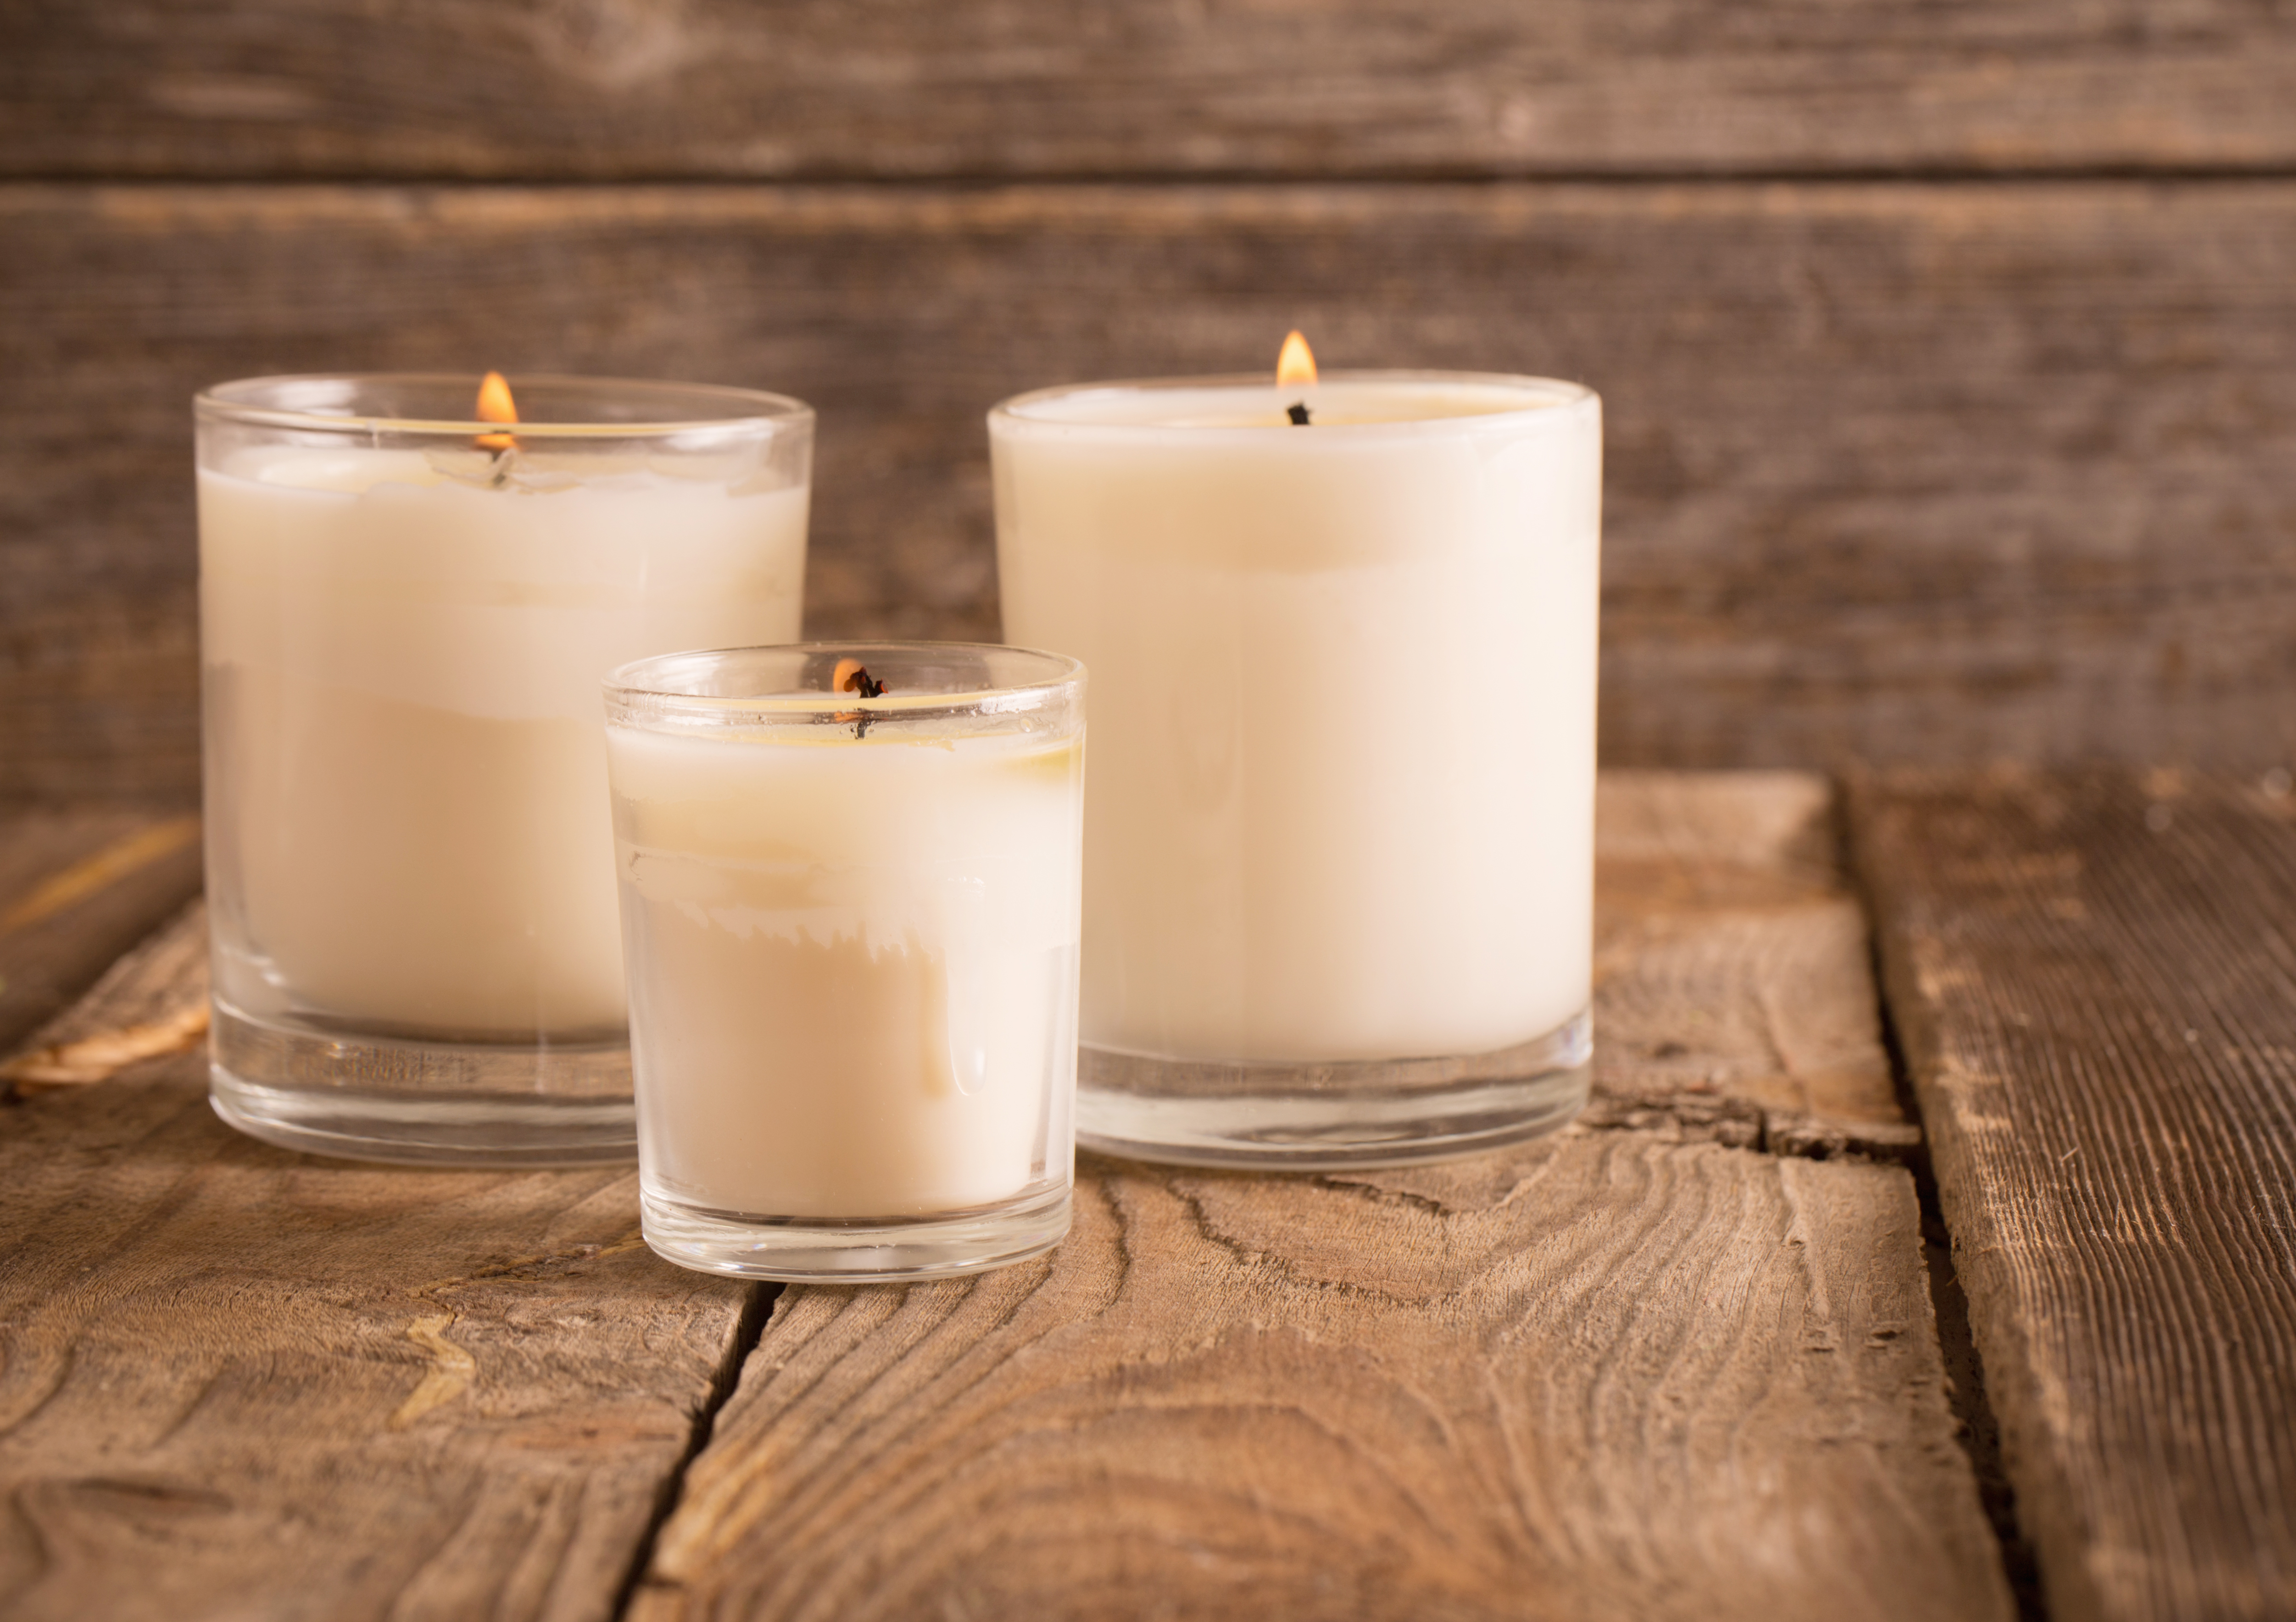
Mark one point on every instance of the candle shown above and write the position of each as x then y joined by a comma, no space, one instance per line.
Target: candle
1342,637
849,891
403,627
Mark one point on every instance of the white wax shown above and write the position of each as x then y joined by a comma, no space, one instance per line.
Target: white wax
1344,704
406,788
853,966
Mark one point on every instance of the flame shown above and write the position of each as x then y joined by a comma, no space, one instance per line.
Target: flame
1297,363
496,405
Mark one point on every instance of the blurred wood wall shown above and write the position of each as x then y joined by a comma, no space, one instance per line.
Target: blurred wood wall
1948,351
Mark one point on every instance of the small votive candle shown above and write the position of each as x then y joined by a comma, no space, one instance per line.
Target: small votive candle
850,879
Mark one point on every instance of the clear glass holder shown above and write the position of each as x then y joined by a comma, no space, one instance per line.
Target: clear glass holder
1328,1116
413,1103
850,887
889,1250
410,585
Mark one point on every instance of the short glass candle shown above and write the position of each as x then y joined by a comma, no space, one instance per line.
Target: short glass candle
405,615
1339,868
851,924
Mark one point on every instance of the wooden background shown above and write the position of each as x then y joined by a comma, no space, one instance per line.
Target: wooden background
1950,352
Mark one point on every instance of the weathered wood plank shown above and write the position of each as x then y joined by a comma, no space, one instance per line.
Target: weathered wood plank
658,88
1925,473
77,888
2096,978
1602,1377
1733,992
236,1382
99,658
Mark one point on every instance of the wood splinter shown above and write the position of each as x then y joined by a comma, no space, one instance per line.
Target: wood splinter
103,1055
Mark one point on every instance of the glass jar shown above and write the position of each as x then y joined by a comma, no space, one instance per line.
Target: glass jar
404,614
850,879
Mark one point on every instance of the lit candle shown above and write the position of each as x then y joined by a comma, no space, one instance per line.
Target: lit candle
403,627
1343,638
850,891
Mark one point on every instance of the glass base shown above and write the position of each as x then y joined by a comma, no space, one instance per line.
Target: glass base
876,1251
409,1102
1327,1116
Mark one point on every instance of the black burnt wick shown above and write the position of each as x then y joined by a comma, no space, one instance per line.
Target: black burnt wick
1298,413
851,675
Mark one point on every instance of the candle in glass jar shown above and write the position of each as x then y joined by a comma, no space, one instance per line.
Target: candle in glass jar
1343,638
852,945
401,652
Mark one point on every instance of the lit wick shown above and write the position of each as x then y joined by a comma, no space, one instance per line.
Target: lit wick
496,405
851,675
1295,364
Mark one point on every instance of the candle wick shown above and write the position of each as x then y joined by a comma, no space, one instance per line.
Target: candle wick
1298,413
851,675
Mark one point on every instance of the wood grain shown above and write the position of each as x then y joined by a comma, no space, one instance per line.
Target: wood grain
2096,978
1735,993
77,888
241,1383
601,89
1918,473
1623,1373
1602,1377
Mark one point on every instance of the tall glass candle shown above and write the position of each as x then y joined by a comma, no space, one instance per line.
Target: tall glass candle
1338,900
850,891
405,615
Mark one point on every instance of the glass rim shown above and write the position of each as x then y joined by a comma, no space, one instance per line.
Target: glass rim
637,683
1553,392
759,408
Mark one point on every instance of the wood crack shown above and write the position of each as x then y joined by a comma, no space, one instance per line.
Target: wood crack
757,1310
1976,1432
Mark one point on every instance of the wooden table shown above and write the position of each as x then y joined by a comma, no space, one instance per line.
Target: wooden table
1705,1355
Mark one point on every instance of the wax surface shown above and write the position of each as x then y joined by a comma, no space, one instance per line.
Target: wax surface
853,967
407,786
1343,697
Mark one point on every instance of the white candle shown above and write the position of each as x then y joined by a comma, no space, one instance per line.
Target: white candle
852,948
1344,704
407,786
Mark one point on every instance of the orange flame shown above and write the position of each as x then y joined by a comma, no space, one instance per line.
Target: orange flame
496,405
1297,363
